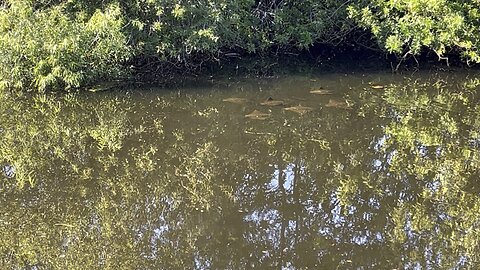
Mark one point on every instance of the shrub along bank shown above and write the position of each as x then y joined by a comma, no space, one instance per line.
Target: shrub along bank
52,44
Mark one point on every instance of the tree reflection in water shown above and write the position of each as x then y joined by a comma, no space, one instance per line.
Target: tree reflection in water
154,180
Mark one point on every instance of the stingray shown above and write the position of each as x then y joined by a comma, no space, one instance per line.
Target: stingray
258,115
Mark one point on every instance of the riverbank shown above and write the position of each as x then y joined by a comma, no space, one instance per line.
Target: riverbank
62,46
321,60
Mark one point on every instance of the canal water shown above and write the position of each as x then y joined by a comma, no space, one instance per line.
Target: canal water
316,171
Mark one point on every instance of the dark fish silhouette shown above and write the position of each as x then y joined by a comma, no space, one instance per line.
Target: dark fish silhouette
272,102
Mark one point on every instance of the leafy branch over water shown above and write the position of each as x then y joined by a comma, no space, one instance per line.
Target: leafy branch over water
61,45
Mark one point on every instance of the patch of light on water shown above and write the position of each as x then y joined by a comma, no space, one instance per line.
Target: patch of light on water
388,191
374,203
361,239
380,143
423,150
325,231
157,237
351,209
462,262
377,165
289,266
367,238
338,219
433,186
311,208
292,225
246,189
9,170
413,265
268,223
158,232
444,216
402,197
268,215
272,185
408,228
390,157
476,142
288,175
201,263
379,237
162,227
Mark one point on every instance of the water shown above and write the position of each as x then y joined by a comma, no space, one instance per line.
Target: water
363,177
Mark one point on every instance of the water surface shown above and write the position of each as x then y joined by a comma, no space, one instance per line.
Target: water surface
379,171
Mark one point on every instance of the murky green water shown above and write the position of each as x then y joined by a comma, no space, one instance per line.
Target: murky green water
205,177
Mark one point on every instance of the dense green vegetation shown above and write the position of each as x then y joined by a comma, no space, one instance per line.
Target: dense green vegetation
409,26
64,44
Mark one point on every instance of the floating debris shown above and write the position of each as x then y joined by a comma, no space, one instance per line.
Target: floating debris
321,92
258,115
341,104
299,109
235,100
258,133
272,102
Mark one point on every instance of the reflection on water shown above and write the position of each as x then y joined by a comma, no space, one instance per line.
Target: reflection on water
379,172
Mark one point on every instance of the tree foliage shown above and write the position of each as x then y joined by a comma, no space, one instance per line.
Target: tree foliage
67,44
407,27
49,48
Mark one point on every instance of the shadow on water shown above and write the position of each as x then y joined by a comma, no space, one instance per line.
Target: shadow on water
376,171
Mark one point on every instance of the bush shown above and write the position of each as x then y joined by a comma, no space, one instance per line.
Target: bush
42,49
61,45
407,27
176,30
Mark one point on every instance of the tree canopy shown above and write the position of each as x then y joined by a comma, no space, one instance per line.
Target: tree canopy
67,44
